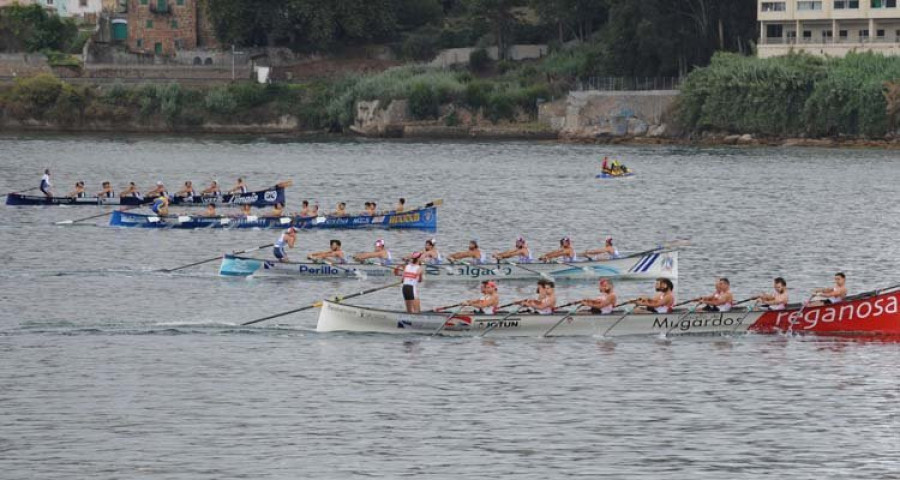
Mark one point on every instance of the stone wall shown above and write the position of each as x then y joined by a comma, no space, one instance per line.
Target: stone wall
596,114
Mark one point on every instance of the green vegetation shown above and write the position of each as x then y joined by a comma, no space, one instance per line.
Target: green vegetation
791,95
29,28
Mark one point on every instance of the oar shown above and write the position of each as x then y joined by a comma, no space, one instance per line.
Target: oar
440,309
213,259
799,313
356,272
319,304
619,320
542,275
70,222
683,316
497,324
563,319
21,191
444,323
749,311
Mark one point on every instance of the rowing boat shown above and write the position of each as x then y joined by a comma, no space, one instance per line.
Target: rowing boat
647,265
261,198
423,219
877,313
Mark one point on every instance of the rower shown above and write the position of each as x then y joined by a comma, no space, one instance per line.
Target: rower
341,210
374,208
107,191
775,301
608,251
565,253
662,302
45,184
431,256
545,303
130,191
413,274
241,187
79,190
212,190
245,210
720,301
277,210
605,302
836,294
304,212
159,191
160,205
489,300
314,211
187,191
401,205
369,211
381,255
210,211
473,252
334,252
287,238
521,253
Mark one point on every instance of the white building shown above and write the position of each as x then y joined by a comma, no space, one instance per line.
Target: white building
80,8
828,27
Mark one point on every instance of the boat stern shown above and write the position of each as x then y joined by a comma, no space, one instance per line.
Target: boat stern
239,267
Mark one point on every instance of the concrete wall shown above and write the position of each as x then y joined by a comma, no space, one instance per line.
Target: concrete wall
830,49
595,114
460,56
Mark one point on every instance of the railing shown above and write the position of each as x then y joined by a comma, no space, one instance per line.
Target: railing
629,83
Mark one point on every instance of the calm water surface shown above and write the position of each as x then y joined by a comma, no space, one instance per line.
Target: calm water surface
110,370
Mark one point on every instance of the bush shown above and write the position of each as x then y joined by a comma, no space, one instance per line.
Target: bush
220,101
40,91
170,103
423,102
421,48
479,60
500,106
478,94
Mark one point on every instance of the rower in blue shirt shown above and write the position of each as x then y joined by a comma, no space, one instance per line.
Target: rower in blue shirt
286,239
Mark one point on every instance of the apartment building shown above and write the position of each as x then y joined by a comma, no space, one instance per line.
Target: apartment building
828,27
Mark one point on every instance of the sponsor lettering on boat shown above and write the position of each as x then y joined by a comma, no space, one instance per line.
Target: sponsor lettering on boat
842,312
320,270
405,218
700,321
498,324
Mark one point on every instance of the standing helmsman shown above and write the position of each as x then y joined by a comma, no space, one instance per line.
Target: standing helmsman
46,185
413,274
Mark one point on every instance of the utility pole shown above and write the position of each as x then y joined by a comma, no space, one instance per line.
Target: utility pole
233,53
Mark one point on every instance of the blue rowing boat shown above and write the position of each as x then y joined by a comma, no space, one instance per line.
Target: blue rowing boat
422,219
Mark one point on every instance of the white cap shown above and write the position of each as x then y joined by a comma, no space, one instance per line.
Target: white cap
159,184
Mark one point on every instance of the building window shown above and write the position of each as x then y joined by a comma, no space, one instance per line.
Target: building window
809,5
174,23
827,34
879,34
846,4
50,3
884,3
149,24
82,3
807,34
773,6
140,43
774,31
864,35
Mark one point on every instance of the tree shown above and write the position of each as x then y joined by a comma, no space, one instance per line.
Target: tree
30,28
501,15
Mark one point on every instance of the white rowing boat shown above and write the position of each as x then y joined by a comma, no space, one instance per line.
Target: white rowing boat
335,317
646,265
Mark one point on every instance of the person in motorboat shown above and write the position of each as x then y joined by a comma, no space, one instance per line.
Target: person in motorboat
489,300
187,191
159,191
304,209
605,166
521,253
473,252
605,302
833,295
334,251
720,301
79,190
286,239
413,274
46,186
107,191
130,191
607,251
212,190
380,255
662,302
776,301
565,253
241,187
545,302
160,205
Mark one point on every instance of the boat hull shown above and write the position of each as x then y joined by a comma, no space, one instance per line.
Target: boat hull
660,264
422,219
262,198
609,176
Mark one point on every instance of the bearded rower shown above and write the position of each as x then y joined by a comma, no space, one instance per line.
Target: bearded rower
605,302
565,253
489,300
775,301
662,302
720,301
835,294
381,255
334,252
288,238
545,302
473,252
521,254
608,251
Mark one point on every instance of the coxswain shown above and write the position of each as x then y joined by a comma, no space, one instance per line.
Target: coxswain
607,251
775,301
160,205
334,252
107,191
381,255
46,186
662,302
489,300
159,191
565,253
605,302
720,301
473,252
545,302
287,238
341,210
304,210
241,187
835,294
210,210
212,190
401,205
413,274
79,190
521,254
277,210
187,191
130,191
